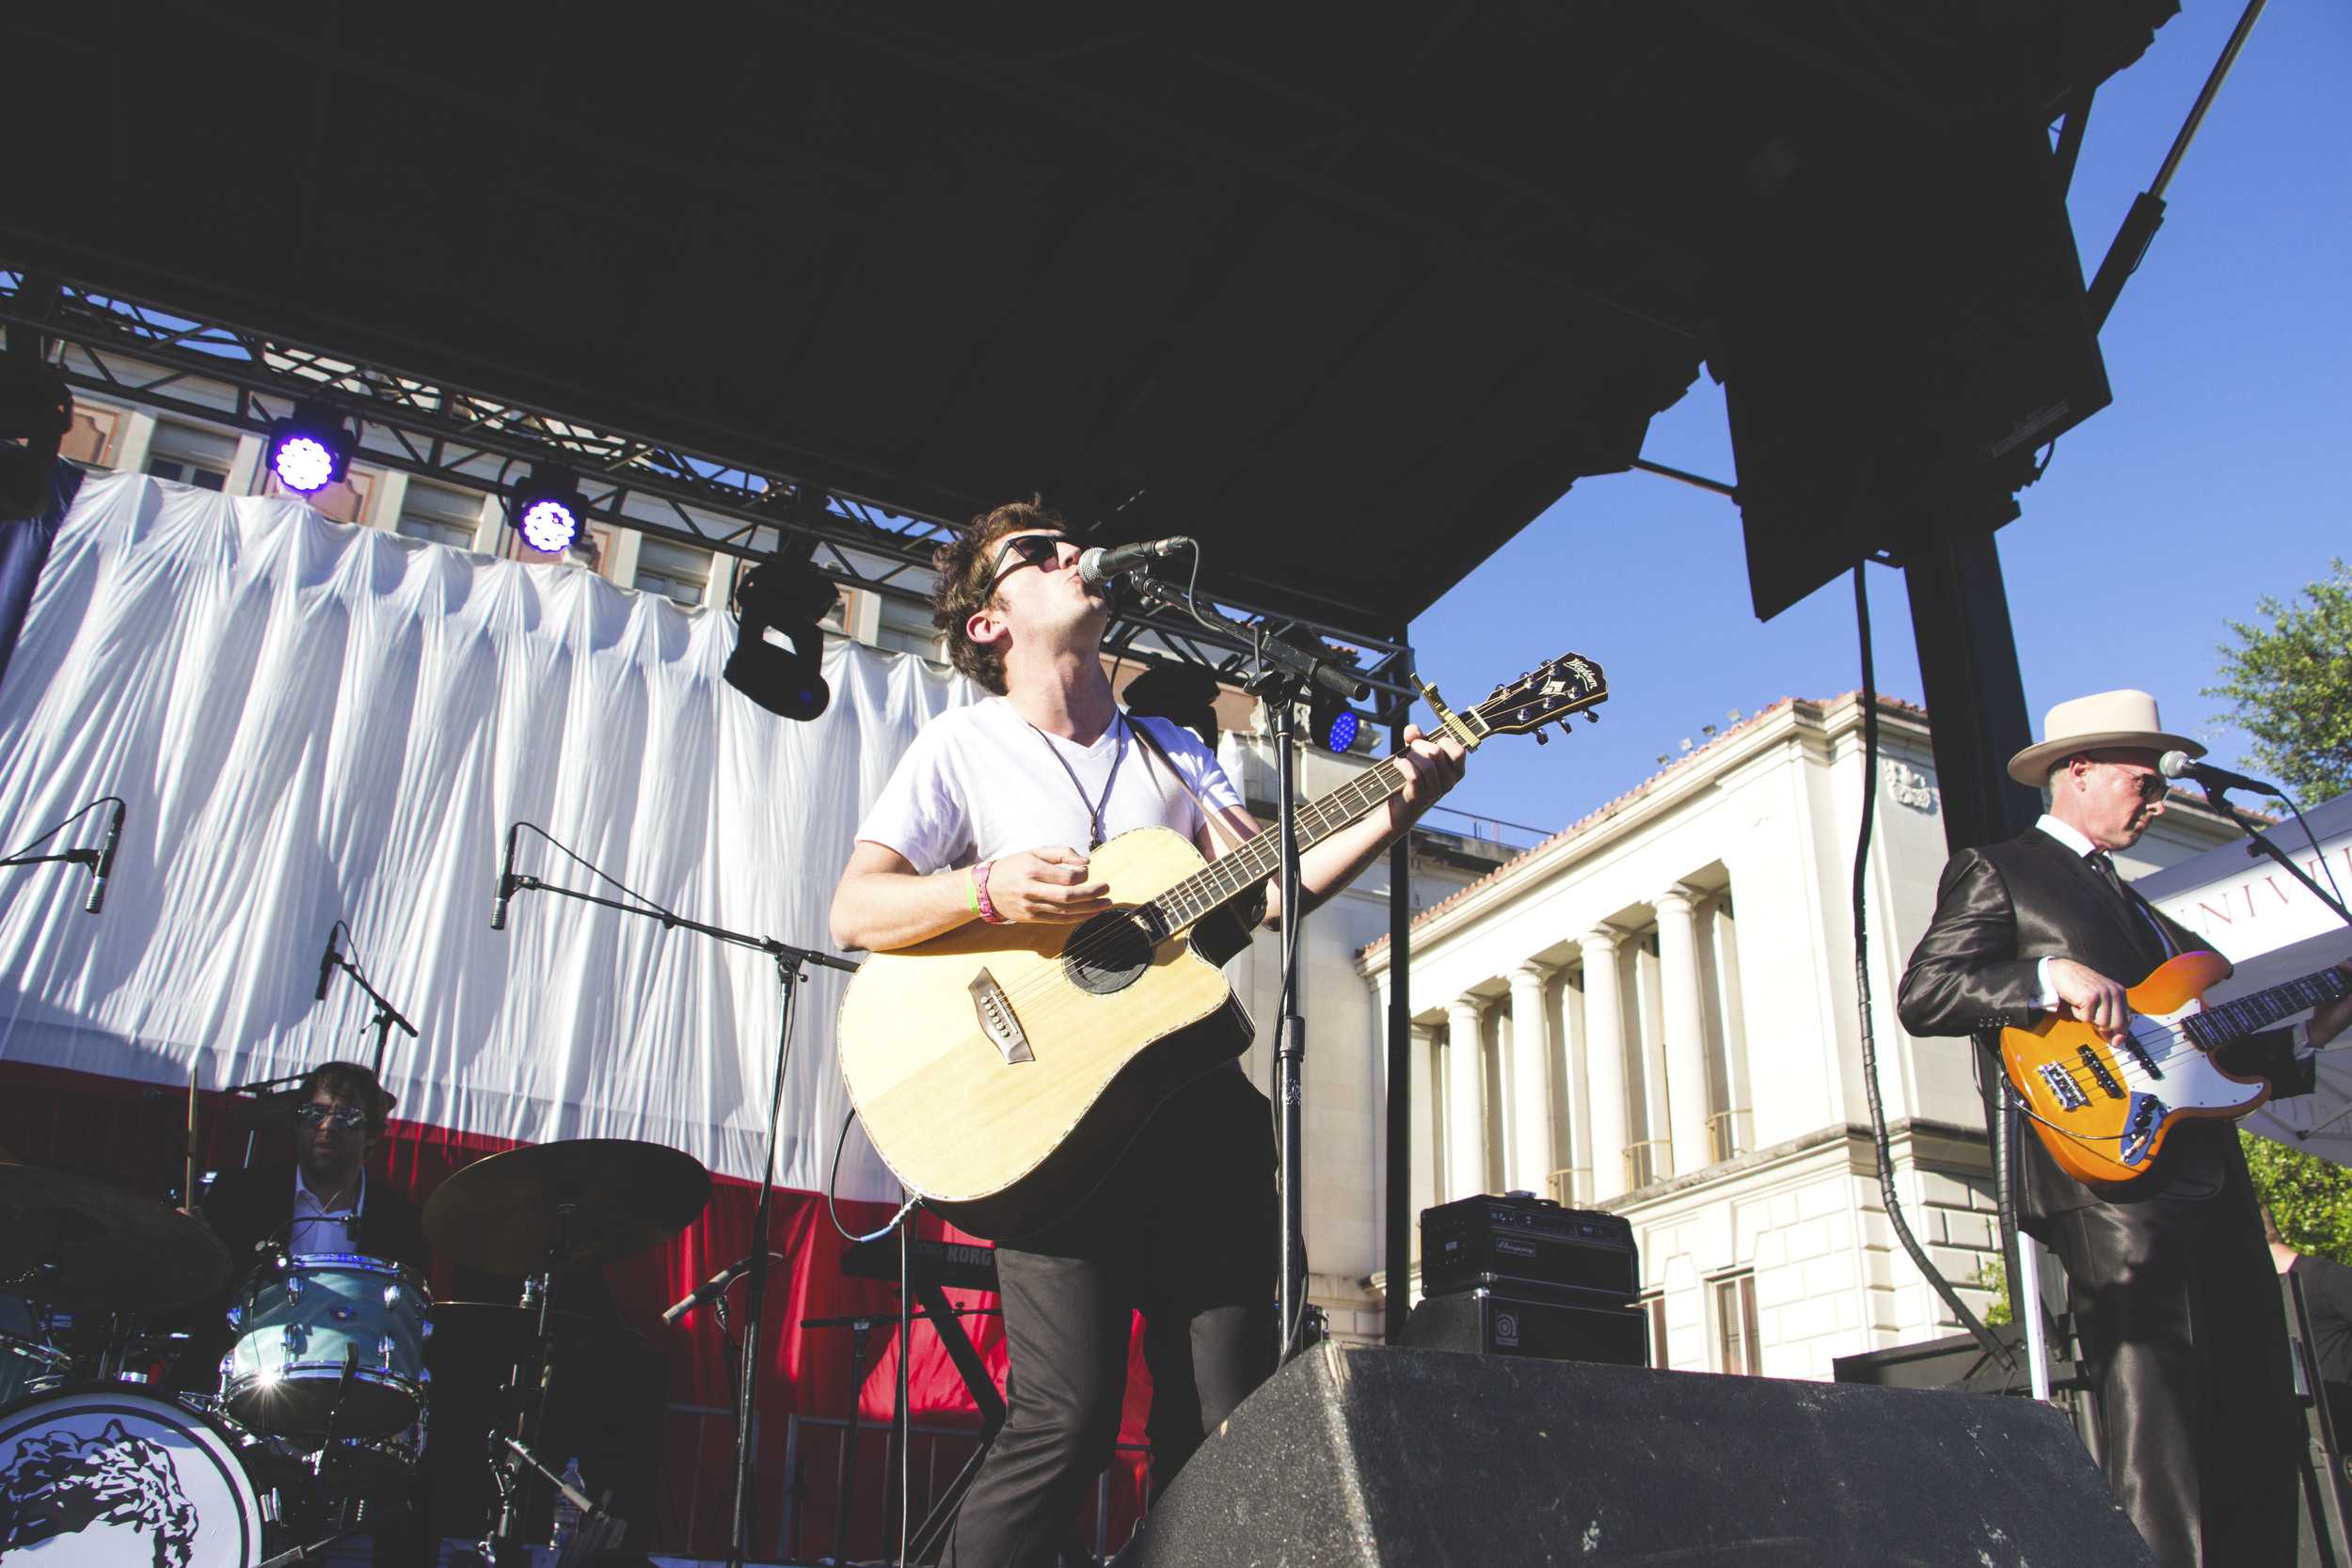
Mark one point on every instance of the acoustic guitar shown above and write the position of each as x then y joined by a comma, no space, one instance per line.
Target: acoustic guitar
999,1070
2104,1111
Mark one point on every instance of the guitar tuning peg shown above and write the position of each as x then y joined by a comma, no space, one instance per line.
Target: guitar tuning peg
1590,718
1541,738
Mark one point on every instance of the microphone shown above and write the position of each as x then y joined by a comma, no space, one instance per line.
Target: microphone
1099,565
326,963
2180,764
506,881
105,867
709,1290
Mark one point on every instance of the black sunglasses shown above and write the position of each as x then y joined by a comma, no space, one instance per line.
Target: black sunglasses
348,1118
1041,550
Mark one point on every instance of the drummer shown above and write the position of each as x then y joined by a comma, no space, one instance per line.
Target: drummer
321,1200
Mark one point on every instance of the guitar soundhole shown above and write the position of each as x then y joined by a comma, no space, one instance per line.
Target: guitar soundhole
1108,952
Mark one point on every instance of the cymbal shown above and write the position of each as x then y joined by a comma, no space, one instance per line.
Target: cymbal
586,1200
105,1247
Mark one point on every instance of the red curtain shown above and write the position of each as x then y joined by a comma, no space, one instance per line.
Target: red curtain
131,1134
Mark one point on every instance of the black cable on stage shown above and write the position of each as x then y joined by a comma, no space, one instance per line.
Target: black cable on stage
1984,1337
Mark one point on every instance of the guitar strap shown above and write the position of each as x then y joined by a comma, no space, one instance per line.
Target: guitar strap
1151,747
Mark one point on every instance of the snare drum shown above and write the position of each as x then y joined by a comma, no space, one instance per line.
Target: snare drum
102,1475
31,1361
305,1318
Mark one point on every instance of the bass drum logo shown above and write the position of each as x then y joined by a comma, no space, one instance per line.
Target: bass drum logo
112,1477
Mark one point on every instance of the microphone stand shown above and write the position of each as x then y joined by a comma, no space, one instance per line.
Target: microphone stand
2217,797
790,961
386,1013
1283,675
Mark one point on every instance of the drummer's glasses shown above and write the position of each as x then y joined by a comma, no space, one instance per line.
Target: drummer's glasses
348,1118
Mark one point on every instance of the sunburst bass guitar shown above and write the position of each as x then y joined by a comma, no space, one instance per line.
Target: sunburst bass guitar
1000,1069
2104,1112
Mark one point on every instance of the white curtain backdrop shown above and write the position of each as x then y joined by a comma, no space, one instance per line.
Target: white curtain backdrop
310,721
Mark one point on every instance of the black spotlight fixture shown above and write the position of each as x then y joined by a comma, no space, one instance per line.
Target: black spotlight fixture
310,448
779,652
36,409
1185,693
547,508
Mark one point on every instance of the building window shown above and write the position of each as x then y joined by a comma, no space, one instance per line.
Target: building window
1736,1338
439,514
678,573
191,454
1654,1308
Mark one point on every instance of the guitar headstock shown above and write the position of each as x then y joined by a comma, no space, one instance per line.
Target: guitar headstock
1554,689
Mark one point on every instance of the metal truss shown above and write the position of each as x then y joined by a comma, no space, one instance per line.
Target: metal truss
149,357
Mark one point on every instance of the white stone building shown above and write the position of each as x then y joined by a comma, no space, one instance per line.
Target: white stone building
1655,1012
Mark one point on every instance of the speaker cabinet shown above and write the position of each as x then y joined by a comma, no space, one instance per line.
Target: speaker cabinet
1355,1455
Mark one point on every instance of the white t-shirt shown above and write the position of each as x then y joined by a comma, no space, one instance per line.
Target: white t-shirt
980,783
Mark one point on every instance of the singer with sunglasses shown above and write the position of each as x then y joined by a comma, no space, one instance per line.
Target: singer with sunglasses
2170,1282
991,815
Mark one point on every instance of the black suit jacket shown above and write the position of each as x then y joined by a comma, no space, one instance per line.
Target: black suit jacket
251,1210
2001,909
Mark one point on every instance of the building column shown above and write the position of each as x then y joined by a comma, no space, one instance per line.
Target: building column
1465,1095
1425,1140
1530,1155
1604,1058
1684,1021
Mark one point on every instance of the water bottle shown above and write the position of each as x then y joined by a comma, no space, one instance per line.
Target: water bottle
567,1511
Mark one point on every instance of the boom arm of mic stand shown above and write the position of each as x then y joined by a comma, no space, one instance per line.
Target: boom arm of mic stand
2219,797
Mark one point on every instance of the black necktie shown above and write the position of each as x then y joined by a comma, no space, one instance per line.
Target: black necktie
2141,917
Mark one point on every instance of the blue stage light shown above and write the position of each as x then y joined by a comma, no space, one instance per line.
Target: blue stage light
309,449
1342,734
547,508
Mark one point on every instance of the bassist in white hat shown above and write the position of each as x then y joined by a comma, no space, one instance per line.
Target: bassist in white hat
2168,1276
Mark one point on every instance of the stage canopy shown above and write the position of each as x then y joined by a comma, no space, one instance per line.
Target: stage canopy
1289,279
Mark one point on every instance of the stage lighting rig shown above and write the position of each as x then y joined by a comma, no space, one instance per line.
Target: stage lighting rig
1185,693
547,508
36,409
310,448
779,652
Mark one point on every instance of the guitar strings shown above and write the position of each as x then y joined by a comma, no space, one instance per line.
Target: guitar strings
1048,981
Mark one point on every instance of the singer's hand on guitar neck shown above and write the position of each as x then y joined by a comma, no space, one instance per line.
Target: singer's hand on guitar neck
1047,885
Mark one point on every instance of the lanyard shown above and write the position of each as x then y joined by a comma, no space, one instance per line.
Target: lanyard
1095,810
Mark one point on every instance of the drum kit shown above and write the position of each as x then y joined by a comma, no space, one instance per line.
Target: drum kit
313,1425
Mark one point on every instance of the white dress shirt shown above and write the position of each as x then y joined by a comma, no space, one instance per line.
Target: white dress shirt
316,1229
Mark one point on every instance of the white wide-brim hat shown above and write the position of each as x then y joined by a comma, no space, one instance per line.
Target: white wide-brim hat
2123,721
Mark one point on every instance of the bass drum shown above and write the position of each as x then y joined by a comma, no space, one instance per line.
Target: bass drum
102,1475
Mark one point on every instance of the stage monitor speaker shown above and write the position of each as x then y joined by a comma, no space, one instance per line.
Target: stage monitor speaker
1357,1455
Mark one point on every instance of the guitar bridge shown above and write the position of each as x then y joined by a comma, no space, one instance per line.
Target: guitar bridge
993,1010
2063,1088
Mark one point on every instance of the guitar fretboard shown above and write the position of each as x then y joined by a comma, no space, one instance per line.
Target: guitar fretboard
2216,1026
1254,861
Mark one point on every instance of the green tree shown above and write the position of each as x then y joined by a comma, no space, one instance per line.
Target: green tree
2310,1197
2289,685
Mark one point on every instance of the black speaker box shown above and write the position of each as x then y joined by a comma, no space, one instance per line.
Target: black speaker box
1355,1455
1490,1322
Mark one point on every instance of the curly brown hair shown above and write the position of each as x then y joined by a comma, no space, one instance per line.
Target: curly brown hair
963,589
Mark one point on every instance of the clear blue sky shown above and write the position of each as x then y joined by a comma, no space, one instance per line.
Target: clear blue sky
2214,477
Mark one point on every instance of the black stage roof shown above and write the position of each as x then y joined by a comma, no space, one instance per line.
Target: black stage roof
1352,295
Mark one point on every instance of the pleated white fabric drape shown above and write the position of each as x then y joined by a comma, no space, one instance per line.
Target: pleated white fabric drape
310,721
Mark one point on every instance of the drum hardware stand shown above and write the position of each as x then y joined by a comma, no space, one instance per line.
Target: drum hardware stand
510,1455
386,1013
1284,675
597,1529
790,962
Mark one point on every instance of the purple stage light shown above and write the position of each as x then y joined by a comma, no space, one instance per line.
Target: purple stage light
302,463
548,526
